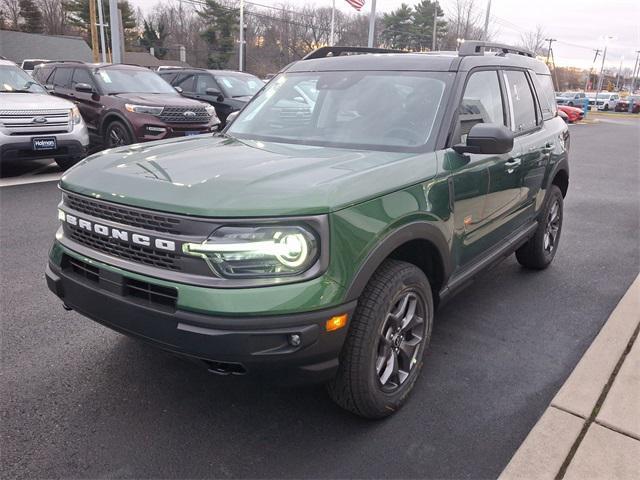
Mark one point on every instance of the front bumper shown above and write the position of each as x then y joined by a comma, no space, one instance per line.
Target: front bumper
71,145
259,345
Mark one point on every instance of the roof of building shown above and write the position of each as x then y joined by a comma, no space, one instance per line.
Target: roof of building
145,59
17,46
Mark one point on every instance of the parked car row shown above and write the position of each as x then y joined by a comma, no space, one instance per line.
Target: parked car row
112,105
599,100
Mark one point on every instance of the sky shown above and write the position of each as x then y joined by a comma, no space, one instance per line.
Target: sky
580,26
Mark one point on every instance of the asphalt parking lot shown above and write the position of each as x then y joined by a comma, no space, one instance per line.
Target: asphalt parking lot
81,401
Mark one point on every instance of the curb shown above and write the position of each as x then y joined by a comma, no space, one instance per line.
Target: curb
555,440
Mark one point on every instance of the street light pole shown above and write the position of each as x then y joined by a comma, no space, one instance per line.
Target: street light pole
102,25
600,76
636,71
333,23
116,55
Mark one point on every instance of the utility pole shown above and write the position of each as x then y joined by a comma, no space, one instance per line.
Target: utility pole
485,34
619,74
586,84
372,23
636,71
93,29
115,32
241,52
553,59
600,76
102,25
435,26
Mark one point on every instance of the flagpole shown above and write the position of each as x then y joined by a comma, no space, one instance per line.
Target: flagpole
372,23
333,22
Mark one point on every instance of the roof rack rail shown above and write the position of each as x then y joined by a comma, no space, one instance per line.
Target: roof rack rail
323,52
478,48
63,61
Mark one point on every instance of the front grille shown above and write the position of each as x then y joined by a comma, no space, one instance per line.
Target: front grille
127,216
23,122
139,291
136,253
177,115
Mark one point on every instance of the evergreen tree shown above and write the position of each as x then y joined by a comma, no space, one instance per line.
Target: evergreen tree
32,16
79,17
222,24
398,26
153,37
423,25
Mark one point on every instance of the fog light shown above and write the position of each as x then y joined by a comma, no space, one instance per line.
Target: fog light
156,129
336,323
295,340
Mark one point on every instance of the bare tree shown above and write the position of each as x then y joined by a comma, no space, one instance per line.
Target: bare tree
534,40
465,21
54,16
11,11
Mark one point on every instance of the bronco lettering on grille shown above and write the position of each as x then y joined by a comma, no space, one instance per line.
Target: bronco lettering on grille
118,234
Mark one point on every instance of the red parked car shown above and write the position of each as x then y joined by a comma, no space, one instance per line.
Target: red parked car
623,104
573,114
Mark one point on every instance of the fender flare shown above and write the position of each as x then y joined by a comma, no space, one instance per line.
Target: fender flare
419,230
562,165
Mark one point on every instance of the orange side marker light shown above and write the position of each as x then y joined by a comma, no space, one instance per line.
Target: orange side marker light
336,323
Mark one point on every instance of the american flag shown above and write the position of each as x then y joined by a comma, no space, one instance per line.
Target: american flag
357,4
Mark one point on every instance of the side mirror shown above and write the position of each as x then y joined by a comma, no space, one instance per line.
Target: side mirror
487,138
49,87
178,89
84,87
213,92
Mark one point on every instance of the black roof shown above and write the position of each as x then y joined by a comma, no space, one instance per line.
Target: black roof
474,54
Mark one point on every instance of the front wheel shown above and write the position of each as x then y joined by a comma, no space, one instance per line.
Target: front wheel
539,251
117,135
382,356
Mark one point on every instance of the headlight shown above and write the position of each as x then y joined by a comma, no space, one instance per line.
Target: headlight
143,109
75,116
211,111
264,251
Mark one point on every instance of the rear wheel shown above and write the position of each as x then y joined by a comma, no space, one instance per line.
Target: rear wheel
382,356
117,134
540,250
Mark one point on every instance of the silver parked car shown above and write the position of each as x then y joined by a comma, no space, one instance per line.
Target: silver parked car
34,124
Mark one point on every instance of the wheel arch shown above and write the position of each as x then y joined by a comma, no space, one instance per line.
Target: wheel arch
419,243
110,117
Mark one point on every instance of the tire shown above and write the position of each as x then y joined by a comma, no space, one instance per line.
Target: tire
606,108
571,104
67,163
116,135
367,383
539,251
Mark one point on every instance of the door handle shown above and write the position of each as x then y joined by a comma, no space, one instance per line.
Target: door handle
512,164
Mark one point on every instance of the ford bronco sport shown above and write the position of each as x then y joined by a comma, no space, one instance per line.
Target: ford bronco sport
314,237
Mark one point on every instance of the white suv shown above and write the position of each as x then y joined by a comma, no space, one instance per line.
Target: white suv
606,100
34,124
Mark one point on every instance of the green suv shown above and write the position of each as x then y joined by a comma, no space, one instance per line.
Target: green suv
314,237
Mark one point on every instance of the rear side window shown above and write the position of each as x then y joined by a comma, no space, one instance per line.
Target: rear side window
522,101
547,96
481,103
62,77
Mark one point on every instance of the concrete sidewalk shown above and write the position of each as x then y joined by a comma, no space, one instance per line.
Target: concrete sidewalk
591,429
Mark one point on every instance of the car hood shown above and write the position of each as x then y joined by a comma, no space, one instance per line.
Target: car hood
32,101
222,177
159,100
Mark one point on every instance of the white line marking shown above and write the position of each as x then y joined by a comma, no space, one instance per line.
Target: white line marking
49,177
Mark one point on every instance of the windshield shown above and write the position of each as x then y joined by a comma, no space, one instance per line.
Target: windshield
115,80
239,85
371,110
12,79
